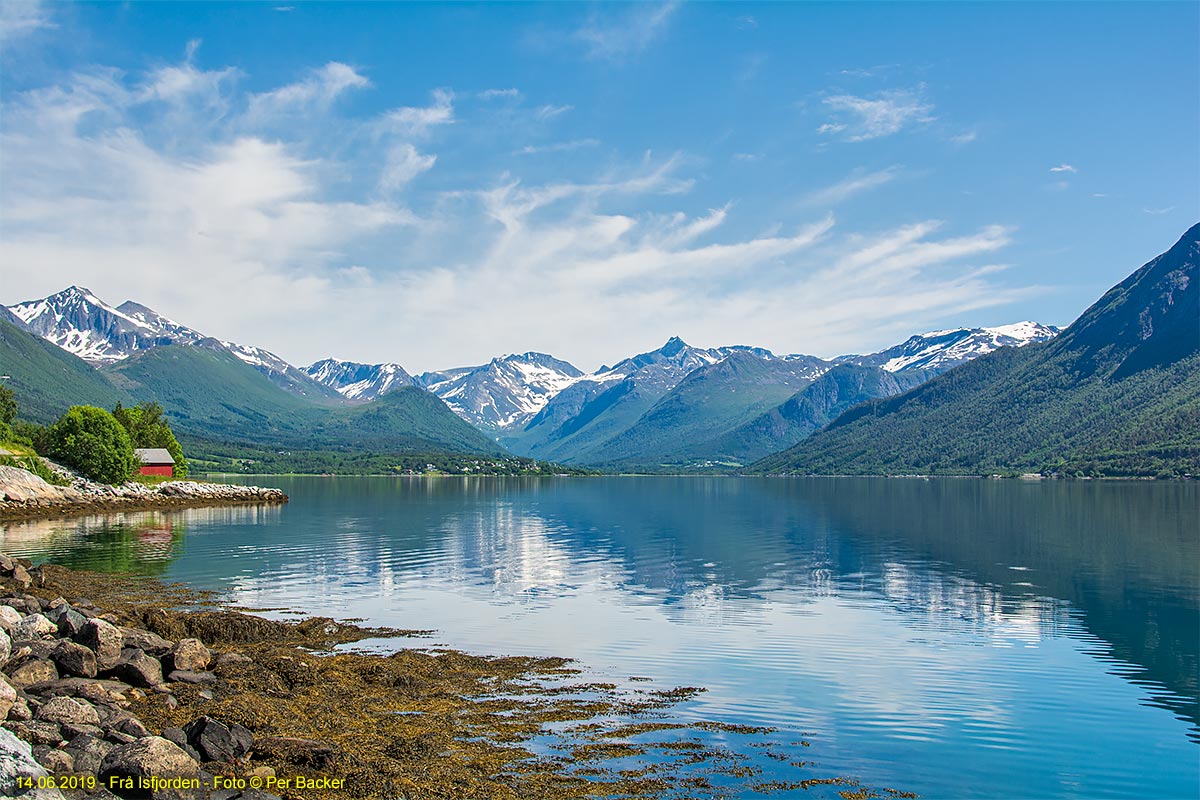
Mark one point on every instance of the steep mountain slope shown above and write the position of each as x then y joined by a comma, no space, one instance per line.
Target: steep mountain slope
710,400
1117,393
48,380
211,394
79,322
597,407
504,393
359,381
938,351
84,325
811,408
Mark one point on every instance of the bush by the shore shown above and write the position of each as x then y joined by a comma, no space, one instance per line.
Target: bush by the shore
90,440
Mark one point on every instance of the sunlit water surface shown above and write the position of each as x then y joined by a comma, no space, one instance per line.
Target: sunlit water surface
956,638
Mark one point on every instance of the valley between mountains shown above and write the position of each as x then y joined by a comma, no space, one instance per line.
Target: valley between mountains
1116,393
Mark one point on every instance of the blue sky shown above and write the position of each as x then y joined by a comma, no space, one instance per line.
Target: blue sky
438,184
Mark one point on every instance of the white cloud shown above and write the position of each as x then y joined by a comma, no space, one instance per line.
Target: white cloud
403,164
418,120
1159,211
558,147
883,114
21,18
1063,168
858,181
265,240
966,137
543,113
315,92
490,94
614,38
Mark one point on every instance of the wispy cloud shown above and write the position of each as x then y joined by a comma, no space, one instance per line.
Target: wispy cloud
966,137
613,37
317,91
403,164
418,120
1064,168
1157,211
857,119
543,113
21,18
491,94
856,182
558,147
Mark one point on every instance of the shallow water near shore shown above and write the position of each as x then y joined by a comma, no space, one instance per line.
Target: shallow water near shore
956,638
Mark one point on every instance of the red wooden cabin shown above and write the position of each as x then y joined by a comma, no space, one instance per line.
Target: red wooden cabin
156,461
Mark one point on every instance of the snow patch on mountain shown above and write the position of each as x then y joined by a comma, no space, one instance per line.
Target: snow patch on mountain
938,351
359,381
504,393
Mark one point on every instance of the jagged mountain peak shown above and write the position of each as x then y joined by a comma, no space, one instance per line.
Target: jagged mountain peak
359,381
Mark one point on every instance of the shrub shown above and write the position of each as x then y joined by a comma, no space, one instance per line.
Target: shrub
91,441
147,427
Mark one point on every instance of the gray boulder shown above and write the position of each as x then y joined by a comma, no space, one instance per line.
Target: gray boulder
34,626
216,741
104,639
65,710
35,670
138,669
73,658
151,756
190,655
16,761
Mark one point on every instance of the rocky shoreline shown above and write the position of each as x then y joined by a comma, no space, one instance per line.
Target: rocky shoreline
24,495
116,686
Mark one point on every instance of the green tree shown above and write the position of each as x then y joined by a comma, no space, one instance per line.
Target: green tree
90,440
147,426
8,405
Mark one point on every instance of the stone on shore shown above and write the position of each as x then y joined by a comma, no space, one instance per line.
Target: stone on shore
73,658
33,671
104,639
138,669
151,756
68,710
216,741
16,762
190,656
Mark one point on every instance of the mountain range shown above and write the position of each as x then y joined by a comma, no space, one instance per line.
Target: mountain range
677,405
676,408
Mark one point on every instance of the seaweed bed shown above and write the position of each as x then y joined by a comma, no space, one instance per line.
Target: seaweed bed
434,723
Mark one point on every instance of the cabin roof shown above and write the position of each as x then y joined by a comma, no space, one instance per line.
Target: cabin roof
154,455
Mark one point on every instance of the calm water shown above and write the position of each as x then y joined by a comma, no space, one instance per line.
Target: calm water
957,638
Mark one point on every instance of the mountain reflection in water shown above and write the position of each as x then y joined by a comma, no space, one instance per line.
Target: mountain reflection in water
940,635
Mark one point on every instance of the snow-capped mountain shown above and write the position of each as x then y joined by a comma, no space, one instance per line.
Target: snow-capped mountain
504,393
81,323
359,381
938,351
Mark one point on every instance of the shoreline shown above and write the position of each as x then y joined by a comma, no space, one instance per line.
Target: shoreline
144,680
40,509
25,496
